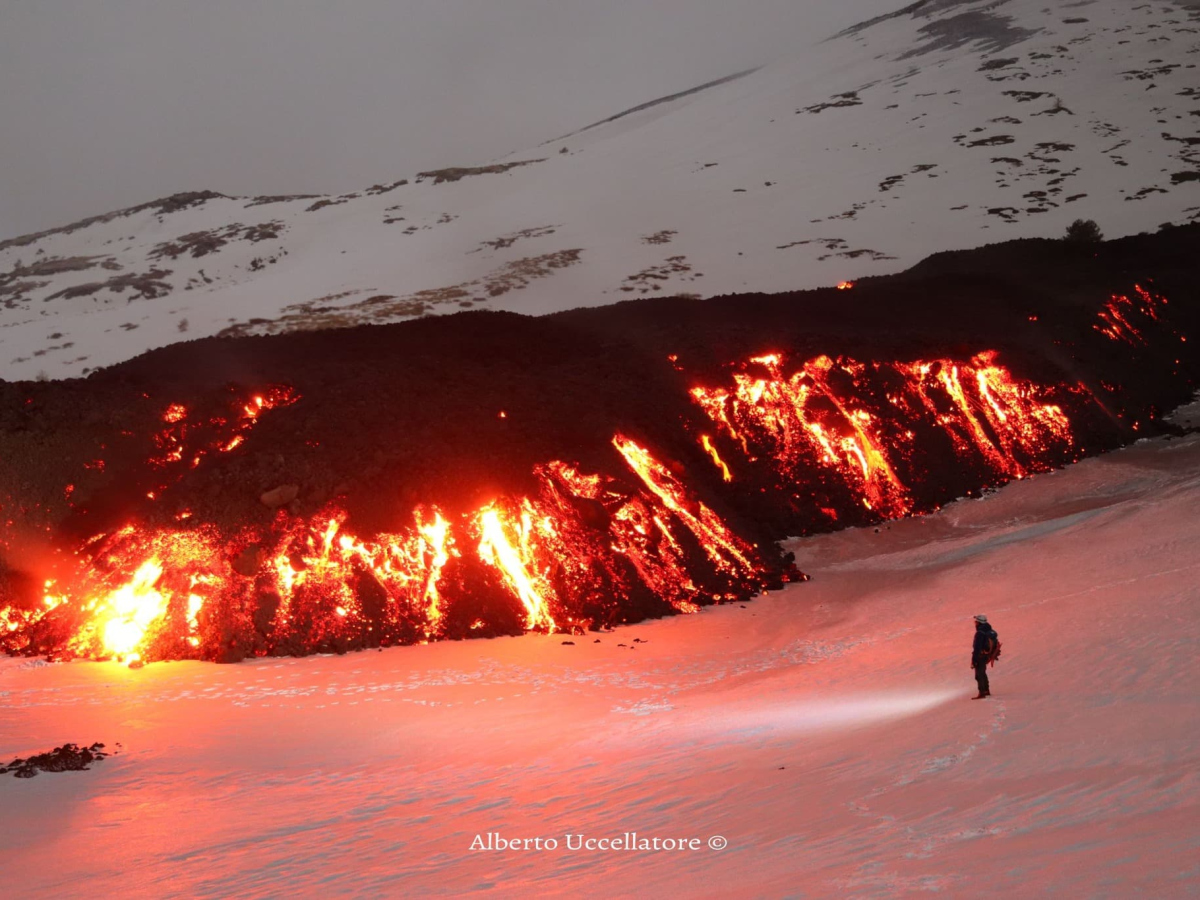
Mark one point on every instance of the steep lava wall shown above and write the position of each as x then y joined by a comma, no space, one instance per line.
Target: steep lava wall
885,407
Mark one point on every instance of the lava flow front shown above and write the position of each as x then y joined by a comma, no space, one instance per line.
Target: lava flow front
580,553
857,424
832,440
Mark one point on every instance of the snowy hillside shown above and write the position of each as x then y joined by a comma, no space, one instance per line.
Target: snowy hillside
948,124
824,732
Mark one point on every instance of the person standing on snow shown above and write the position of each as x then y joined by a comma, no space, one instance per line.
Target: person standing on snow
984,650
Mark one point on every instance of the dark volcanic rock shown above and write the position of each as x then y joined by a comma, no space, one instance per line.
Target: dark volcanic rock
458,410
67,758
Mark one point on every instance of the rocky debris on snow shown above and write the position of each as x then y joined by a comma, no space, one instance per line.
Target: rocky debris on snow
648,279
838,101
838,248
506,241
67,758
377,189
659,237
267,199
143,285
456,173
23,278
328,201
202,243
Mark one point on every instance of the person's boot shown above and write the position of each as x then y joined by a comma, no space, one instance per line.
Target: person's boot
980,696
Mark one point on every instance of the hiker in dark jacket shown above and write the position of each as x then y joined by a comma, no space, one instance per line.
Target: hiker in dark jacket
981,654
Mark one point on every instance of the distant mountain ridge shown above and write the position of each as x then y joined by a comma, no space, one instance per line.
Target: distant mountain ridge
939,126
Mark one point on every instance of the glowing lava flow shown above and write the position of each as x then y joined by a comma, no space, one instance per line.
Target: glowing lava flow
707,444
1119,312
575,550
828,418
194,437
804,420
134,606
518,560
569,556
1124,318
718,542
318,566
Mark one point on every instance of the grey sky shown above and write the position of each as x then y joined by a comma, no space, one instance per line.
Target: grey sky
107,103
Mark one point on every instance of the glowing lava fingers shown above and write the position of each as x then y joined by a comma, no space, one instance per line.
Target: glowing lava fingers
803,421
826,417
319,561
434,554
723,548
1124,318
517,560
706,443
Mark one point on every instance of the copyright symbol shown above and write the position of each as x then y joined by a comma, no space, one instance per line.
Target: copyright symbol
716,842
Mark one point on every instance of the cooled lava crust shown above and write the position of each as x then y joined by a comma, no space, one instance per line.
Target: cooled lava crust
456,411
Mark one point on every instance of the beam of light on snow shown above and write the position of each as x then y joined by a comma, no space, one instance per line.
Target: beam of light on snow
813,714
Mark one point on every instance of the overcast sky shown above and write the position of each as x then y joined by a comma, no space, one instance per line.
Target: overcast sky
108,103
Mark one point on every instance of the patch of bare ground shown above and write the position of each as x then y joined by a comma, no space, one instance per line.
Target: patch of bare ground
506,241
659,237
995,140
651,278
837,101
836,248
1152,71
377,189
13,293
279,198
202,243
143,285
1025,96
443,219
22,279
457,173
258,263
517,275
328,201
851,213
319,315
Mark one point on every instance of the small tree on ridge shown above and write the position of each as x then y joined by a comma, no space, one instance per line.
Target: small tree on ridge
1083,231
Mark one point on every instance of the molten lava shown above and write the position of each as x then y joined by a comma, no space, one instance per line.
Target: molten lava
516,557
718,542
194,438
566,557
707,444
826,418
572,550
1124,318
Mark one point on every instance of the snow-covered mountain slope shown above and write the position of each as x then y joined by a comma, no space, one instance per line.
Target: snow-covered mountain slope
823,731
948,124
